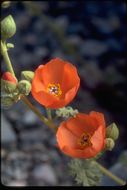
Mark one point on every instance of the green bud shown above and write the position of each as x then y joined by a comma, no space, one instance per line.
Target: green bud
10,45
24,87
6,4
7,86
7,101
109,144
16,97
8,27
27,75
112,131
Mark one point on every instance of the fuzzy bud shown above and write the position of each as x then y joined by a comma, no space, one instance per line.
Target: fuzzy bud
8,27
6,4
109,144
8,82
27,75
112,131
6,102
24,87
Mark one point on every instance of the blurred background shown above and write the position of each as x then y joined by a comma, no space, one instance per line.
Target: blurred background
92,36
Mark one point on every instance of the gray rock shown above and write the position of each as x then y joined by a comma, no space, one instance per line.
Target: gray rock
119,170
41,52
62,22
107,25
45,173
30,39
29,118
74,40
93,48
92,73
26,59
58,53
32,135
7,134
16,183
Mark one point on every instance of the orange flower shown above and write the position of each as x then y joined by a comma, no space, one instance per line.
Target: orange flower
7,76
82,136
55,84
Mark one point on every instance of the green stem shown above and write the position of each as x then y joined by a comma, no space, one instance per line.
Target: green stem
48,110
6,58
36,111
109,174
46,121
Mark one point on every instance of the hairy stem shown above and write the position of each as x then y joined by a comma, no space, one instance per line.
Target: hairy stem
6,58
36,111
109,174
48,110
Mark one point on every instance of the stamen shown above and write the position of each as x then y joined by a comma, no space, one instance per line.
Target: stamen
84,140
54,89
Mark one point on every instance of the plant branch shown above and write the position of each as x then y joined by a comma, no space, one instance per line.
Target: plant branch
109,174
48,110
36,111
6,57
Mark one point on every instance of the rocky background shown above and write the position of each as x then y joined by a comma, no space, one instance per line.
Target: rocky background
91,35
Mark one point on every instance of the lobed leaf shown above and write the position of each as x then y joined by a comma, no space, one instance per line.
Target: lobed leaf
85,172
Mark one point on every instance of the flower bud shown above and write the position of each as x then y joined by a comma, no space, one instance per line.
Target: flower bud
27,75
6,4
8,82
112,131
10,45
109,144
8,27
9,77
24,87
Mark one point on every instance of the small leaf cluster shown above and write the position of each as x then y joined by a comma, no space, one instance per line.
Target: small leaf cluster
66,112
85,172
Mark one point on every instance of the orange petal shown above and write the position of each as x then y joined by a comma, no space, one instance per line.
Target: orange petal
75,153
53,71
69,96
88,152
65,137
99,117
57,103
70,77
98,139
37,82
69,130
43,98
88,123
65,100
74,125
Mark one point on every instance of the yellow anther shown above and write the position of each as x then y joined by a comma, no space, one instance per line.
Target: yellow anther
54,89
84,140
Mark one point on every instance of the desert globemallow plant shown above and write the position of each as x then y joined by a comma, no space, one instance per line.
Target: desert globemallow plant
83,137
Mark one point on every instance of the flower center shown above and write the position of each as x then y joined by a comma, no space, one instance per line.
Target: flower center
54,89
84,140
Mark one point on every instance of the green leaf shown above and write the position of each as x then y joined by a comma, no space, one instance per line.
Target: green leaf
66,112
7,100
85,172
